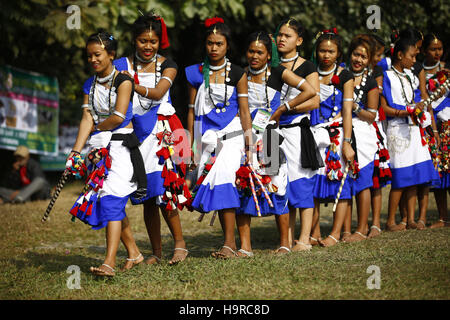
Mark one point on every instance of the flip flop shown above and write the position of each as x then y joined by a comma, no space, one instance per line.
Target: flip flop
304,246
329,245
220,255
171,262
134,262
102,273
247,254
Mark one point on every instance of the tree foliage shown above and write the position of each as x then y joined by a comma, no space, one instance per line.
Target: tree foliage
35,35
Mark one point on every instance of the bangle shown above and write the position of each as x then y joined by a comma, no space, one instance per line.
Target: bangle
349,140
372,110
96,128
191,106
435,131
300,83
348,99
74,151
357,109
380,87
84,106
288,107
242,95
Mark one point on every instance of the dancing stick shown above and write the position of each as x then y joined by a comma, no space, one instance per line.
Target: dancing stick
341,186
264,190
252,185
211,223
201,217
58,189
435,95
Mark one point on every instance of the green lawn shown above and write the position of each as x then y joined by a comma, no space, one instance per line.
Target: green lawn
35,257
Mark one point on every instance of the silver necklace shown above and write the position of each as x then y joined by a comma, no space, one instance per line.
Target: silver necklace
108,77
430,67
325,73
216,68
289,59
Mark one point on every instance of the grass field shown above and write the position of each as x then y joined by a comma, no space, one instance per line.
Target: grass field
35,257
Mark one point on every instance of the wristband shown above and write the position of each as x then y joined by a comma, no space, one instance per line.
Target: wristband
348,99
84,106
372,110
242,95
288,107
117,113
191,106
74,151
349,140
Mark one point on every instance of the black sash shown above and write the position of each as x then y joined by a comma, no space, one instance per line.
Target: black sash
131,141
310,155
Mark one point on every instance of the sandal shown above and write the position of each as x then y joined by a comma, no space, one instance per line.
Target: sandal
352,238
135,261
396,227
314,241
157,260
174,262
103,273
411,225
300,246
282,248
329,245
345,237
371,235
247,254
221,255
421,222
440,224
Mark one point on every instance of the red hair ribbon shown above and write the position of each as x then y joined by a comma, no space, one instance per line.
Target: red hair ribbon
212,21
332,30
164,41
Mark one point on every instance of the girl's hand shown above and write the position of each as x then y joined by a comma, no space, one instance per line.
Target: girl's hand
276,116
348,152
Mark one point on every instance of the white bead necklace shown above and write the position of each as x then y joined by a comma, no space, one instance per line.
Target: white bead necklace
325,73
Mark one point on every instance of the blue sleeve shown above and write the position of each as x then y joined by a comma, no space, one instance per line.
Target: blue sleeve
383,64
194,76
121,64
87,85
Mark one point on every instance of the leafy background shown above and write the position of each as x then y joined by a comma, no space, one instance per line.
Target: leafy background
35,36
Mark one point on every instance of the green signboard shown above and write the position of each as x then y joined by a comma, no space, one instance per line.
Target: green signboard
29,111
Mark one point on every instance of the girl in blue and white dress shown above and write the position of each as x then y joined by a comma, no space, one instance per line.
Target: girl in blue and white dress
411,164
436,72
217,121
106,127
265,83
301,150
333,131
154,115
366,97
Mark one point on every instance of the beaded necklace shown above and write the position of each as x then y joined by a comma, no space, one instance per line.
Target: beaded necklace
358,96
333,98
157,74
404,75
110,79
265,79
226,103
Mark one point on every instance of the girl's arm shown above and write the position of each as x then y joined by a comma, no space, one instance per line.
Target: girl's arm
372,104
312,103
244,114
84,129
347,150
192,92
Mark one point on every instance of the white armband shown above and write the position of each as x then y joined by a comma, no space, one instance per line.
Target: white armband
168,79
191,106
242,95
300,83
84,106
117,113
372,110
348,99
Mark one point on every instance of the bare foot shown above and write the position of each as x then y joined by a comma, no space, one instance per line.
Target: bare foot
179,255
411,225
131,262
153,259
300,246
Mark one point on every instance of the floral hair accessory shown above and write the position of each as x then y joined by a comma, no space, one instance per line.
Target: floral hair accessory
212,21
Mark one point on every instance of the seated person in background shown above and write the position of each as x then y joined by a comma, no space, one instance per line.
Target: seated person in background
26,180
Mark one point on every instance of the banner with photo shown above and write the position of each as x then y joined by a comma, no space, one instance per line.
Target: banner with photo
29,111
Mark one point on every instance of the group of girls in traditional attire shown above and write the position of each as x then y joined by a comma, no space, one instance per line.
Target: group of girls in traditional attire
280,134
